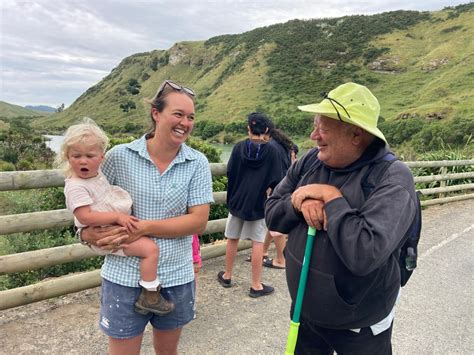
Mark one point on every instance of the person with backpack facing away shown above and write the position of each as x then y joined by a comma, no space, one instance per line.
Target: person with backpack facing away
354,274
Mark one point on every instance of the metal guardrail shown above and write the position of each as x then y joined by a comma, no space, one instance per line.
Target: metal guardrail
11,181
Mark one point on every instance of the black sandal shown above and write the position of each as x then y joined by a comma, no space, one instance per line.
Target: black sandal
249,258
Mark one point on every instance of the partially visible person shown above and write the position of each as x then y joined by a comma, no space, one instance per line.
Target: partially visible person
197,260
171,189
284,145
197,264
294,153
253,167
354,276
94,202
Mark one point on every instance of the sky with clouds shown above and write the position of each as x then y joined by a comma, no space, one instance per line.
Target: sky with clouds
51,51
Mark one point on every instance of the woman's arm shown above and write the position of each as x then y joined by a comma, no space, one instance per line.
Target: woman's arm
109,237
194,222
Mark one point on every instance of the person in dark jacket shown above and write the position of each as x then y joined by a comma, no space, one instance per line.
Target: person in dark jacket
354,277
253,167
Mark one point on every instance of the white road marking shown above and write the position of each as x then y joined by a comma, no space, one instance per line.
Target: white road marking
444,242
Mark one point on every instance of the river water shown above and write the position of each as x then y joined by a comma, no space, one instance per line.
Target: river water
53,142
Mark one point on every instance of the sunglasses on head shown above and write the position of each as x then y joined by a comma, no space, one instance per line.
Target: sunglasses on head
175,86
332,101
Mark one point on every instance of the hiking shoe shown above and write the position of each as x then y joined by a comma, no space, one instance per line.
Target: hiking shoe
224,282
152,301
266,290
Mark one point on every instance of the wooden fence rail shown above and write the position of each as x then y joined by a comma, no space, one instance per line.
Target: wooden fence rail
35,179
26,222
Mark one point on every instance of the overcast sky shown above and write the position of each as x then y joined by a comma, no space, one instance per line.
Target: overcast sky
51,51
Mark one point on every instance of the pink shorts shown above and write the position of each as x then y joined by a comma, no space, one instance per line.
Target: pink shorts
196,251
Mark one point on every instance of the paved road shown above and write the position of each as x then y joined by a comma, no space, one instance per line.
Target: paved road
434,315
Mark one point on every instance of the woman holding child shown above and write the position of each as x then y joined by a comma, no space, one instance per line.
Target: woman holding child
171,188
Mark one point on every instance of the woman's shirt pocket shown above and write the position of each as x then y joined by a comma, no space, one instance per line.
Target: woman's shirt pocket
176,199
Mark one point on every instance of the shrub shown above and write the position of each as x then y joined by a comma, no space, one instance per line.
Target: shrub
24,165
212,153
6,166
373,53
446,153
451,29
456,133
236,127
128,105
133,87
229,139
208,129
401,131
297,124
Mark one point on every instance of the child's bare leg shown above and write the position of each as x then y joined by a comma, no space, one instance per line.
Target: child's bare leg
148,252
150,299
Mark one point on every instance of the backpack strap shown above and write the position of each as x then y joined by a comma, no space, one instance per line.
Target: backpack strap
375,172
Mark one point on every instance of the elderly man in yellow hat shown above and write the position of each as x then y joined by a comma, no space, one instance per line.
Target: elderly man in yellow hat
354,276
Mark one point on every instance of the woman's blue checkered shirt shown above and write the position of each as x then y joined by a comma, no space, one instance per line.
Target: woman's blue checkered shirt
186,182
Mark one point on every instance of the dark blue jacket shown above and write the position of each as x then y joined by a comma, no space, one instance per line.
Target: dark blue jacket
251,170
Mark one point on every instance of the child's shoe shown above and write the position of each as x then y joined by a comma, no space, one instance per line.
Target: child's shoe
152,301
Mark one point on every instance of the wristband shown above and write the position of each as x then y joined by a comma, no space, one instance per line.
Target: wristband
79,237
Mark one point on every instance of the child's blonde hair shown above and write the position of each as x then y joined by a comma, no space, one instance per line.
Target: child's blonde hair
80,133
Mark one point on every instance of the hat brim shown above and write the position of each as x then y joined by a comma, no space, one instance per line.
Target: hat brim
326,109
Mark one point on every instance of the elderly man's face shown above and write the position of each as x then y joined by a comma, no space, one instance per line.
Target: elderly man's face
335,142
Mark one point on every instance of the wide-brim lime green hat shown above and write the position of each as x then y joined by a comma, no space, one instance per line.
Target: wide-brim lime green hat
356,105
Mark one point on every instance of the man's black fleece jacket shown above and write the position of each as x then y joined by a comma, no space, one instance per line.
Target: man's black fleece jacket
354,277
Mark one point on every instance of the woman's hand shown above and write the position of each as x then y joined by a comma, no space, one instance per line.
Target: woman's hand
108,238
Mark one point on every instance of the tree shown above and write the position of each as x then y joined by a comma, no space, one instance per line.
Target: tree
60,108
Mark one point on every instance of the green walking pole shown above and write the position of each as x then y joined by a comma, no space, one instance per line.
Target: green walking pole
295,322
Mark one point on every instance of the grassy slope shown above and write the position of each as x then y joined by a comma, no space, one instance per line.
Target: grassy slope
242,92
446,90
11,111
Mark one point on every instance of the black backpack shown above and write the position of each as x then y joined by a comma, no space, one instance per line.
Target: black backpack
408,249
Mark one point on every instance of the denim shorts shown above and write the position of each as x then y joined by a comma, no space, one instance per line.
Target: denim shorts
119,320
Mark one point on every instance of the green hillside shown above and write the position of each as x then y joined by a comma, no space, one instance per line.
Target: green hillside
419,65
11,111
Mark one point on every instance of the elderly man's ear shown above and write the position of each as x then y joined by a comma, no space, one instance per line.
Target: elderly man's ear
361,137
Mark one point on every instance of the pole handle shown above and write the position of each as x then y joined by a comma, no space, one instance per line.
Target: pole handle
292,337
